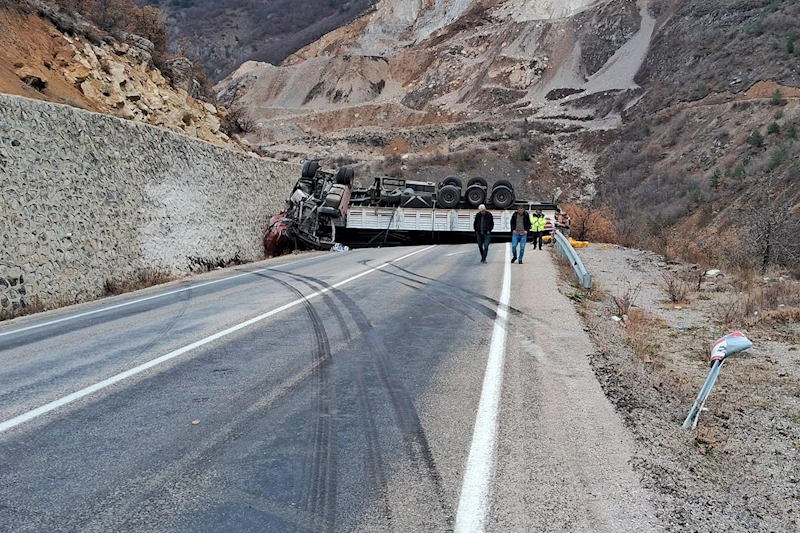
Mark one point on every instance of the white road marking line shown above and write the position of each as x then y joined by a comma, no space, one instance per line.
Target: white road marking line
473,505
459,253
8,424
161,295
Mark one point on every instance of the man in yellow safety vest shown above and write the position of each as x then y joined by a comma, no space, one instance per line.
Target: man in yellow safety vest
538,222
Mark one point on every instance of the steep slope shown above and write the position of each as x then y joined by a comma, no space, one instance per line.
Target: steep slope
109,76
227,33
401,67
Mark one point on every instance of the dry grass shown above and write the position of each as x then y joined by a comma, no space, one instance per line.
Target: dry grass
756,298
677,289
26,308
625,298
141,280
784,315
641,335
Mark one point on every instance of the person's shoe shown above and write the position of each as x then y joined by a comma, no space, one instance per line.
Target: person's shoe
520,261
514,260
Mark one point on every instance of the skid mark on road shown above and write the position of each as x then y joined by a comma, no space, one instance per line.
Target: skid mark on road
320,467
429,287
415,440
87,391
496,303
75,372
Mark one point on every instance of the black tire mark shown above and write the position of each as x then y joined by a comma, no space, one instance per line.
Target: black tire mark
321,492
482,309
108,513
406,416
129,362
171,324
374,458
496,303
440,302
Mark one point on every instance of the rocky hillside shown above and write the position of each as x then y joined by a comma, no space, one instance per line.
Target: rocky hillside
654,100
226,33
100,73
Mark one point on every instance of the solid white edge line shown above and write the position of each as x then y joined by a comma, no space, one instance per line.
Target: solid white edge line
473,504
55,404
161,295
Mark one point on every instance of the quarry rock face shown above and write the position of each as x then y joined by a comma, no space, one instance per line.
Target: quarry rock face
412,63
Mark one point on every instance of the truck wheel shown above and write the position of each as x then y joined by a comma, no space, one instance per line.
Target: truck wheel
391,197
504,183
476,180
449,196
344,176
454,181
502,196
310,169
476,194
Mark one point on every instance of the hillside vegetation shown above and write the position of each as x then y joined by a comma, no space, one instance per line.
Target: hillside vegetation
706,165
226,33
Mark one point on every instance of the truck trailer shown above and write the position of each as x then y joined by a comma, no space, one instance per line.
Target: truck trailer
325,209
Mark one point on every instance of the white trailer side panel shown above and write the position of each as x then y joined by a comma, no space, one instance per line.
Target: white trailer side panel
421,219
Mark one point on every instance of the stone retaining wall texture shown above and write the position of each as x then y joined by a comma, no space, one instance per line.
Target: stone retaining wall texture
86,198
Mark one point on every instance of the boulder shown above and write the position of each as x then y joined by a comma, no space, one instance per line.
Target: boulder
179,71
32,77
77,73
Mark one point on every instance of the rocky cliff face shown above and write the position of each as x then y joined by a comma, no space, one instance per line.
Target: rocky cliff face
109,76
413,63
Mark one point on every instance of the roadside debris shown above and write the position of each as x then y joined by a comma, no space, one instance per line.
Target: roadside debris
728,345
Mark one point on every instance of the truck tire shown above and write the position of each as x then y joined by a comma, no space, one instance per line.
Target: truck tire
344,176
504,183
309,169
476,194
502,196
454,181
448,196
391,197
477,180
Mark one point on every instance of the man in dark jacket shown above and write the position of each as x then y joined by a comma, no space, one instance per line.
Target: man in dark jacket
483,226
520,226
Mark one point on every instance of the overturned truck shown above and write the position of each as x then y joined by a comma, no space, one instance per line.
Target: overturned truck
324,209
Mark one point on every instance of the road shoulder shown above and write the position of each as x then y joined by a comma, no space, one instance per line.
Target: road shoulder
564,457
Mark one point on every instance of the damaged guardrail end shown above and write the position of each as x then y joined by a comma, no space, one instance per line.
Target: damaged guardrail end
565,250
728,345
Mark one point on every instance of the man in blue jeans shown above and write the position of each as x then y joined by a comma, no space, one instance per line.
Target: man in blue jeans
520,225
483,226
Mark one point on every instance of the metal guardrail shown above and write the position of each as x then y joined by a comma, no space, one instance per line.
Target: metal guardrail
565,250
728,345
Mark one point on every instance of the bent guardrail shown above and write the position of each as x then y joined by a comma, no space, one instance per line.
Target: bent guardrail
728,345
565,250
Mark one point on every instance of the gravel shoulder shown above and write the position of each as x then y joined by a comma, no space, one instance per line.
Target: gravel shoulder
740,470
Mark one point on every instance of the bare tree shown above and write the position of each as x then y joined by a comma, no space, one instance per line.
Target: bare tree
772,227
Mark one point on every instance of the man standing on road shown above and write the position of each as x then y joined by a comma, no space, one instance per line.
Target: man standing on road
520,225
483,226
538,222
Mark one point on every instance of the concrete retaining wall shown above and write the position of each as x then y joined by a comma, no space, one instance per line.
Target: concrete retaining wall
86,198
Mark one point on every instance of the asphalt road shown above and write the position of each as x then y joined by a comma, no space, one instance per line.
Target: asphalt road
404,389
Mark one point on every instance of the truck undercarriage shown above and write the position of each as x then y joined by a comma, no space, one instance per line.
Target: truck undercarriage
325,209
